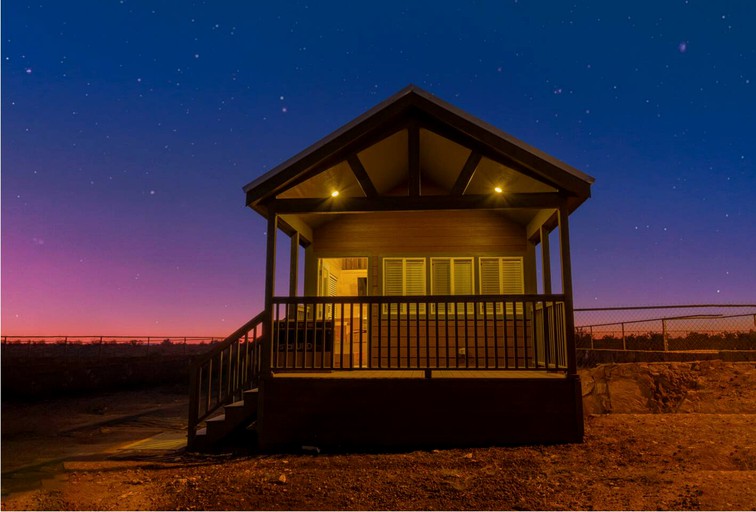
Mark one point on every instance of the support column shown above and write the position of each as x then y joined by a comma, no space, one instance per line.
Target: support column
545,261
294,265
293,273
569,315
270,284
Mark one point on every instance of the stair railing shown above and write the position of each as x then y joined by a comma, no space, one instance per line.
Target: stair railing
220,376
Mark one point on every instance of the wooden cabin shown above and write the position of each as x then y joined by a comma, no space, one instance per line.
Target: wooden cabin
428,316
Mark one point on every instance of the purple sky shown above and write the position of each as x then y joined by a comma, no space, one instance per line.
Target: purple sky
129,128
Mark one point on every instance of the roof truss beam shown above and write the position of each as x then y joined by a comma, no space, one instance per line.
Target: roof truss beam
476,146
413,152
362,176
465,176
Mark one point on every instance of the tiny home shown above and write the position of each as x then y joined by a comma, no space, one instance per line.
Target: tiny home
430,315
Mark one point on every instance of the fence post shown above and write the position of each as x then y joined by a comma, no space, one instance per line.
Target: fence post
590,329
99,352
148,346
664,334
184,345
65,346
624,340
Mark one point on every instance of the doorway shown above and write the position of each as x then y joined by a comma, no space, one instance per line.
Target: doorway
345,277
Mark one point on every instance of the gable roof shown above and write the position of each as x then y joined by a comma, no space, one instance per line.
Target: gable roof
414,105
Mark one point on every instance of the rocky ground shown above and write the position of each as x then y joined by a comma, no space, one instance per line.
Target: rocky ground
658,436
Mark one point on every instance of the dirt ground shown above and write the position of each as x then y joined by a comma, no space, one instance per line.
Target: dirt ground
658,436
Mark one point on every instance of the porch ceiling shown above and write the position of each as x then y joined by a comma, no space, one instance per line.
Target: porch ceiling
441,161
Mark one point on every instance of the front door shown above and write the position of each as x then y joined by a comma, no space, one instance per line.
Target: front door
345,277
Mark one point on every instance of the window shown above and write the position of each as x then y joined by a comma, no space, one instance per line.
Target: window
452,276
404,276
502,276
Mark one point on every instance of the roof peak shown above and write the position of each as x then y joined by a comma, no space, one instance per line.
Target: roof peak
435,114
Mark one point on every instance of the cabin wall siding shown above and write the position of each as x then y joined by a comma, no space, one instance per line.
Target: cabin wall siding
419,234
427,233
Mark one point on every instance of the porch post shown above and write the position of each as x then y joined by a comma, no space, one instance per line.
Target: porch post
545,261
293,273
294,265
569,318
270,283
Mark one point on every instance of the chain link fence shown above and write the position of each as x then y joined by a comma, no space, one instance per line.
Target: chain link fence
665,333
102,347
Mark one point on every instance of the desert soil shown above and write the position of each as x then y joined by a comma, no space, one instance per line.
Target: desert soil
658,436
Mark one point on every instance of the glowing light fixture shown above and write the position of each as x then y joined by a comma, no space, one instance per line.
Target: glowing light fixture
498,190
335,193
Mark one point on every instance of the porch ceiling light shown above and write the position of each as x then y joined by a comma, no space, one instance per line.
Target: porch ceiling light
335,193
498,190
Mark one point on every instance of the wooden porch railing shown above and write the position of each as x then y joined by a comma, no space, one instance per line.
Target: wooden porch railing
220,376
496,332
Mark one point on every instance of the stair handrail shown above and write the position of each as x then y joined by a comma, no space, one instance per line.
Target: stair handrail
227,342
231,388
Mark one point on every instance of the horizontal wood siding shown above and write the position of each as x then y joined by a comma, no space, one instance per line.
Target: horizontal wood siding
423,233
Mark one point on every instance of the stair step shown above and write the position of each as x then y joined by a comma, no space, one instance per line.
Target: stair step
233,417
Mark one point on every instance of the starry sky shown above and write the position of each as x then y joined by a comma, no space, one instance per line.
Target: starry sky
129,128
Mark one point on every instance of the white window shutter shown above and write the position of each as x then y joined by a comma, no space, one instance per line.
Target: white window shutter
414,276
511,276
332,281
490,281
392,276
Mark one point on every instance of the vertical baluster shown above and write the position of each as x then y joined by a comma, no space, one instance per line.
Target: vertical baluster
290,309
446,329
380,334
506,334
417,333
276,341
315,334
475,331
245,365
485,331
360,312
526,321
435,319
456,334
388,332
209,385
495,334
341,339
295,356
516,335
467,328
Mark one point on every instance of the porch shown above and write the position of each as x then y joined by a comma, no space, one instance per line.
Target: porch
524,333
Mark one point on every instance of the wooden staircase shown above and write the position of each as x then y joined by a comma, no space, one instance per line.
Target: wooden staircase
236,417
223,393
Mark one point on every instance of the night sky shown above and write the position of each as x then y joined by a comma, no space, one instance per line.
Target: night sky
129,128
